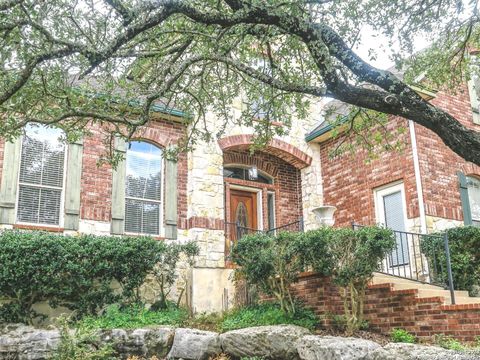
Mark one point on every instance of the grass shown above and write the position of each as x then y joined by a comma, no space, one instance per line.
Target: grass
267,314
133,317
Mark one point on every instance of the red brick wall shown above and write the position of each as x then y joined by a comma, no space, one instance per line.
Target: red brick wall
96,182
439,164
287,184
386,309
96,185
349,180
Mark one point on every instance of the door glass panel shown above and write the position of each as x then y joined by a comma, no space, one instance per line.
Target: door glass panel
241,217
394,219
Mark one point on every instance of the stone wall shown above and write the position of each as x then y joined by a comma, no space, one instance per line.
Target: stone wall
387,309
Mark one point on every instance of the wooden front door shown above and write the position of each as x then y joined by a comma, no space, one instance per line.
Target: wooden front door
243,212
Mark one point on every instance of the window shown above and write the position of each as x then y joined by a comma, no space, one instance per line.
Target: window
40,185
271,210
474,92
244,174
473,185
390,208
143,188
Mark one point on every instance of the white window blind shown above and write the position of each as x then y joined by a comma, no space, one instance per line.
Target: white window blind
41,176
473,185
143,188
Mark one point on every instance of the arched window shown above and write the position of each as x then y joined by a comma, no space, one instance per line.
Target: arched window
244,173
473,185
40,186
143,188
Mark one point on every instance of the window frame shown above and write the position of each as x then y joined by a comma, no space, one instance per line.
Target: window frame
61,217
385,190
475,221
161,202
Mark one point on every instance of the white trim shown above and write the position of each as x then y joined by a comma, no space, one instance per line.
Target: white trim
385,190
418,179
259,201
274,208
61,216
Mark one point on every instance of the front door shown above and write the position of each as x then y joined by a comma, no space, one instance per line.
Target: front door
243,212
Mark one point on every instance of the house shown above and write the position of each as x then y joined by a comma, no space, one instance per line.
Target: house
424,188
49,185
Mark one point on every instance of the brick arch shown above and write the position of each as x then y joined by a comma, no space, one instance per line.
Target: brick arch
281,149
470,169
244,158
155,136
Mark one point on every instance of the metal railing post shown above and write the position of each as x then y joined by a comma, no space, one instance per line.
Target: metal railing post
449,268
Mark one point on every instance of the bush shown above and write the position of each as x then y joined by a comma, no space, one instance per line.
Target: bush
76,272
271,263
133,317
80,344
350,257
464,243
402,336
165,271
268,314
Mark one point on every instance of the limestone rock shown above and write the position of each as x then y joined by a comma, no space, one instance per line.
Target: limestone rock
27,343
337,348
402,351
194,344
272,342
144,342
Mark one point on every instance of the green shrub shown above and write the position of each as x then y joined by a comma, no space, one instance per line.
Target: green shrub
80,344
268,314
271,263
350,257
447,342
165,271
76,272
464,243
402,336
133,317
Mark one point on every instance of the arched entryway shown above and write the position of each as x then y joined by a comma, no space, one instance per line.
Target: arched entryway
263,190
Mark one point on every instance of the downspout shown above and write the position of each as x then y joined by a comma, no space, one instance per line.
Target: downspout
418,179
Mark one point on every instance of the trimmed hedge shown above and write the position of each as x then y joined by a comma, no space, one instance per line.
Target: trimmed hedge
72,271
464,243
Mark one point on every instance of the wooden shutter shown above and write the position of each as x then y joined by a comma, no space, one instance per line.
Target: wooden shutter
118,190
9,181
467,214
171,199
72,186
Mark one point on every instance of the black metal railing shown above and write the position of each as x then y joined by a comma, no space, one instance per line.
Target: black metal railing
420,257
235,231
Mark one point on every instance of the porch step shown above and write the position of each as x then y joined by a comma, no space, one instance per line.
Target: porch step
425,290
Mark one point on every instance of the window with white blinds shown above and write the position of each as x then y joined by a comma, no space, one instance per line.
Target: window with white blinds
41,176
473,185
143,188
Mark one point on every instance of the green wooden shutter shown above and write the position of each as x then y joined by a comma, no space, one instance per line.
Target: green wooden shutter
467,213
171,199
118,191
72,185
9,181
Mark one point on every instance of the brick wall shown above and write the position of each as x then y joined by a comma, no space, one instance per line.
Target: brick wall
386,309
96,181
96,185
439,164
349,180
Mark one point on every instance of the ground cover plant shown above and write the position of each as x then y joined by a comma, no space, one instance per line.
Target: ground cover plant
133,317
402,336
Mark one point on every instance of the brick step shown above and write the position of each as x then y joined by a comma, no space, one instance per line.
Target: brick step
425,290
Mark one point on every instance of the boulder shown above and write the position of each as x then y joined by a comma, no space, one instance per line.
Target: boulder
27,343
271,342
313,347
194,344
402,351
145,342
